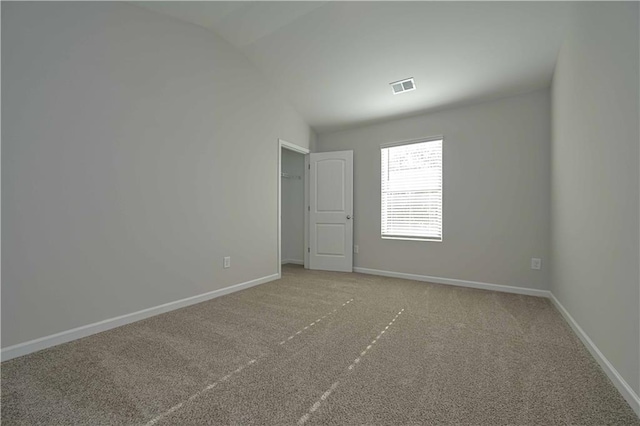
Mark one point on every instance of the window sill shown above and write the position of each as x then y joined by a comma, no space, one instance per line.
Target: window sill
432,240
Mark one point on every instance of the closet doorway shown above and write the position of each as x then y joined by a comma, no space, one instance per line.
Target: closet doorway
293,200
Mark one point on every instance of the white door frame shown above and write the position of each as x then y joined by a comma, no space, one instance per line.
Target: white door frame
296,148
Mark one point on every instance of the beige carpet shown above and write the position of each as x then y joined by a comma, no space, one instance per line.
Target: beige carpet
293,351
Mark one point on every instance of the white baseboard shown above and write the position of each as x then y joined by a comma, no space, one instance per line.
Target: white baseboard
623,387
456,282
293,261
97,327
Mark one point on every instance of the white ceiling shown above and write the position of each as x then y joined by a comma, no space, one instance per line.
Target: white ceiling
334,60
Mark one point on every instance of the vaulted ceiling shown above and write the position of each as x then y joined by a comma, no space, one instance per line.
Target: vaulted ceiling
334,60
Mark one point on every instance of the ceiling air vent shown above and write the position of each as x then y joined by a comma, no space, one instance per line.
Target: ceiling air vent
402,86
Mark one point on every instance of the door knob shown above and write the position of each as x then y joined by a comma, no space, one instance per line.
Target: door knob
348,216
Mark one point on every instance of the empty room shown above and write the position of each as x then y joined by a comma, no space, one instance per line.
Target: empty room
320,213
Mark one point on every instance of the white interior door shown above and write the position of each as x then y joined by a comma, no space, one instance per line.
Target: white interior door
331,211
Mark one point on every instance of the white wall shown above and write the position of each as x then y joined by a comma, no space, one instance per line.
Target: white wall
292,244
137,152
496,192
595,220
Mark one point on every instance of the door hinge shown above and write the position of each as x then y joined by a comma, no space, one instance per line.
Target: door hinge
308,249
309,166
308,208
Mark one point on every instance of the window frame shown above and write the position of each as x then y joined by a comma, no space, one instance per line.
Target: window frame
411,142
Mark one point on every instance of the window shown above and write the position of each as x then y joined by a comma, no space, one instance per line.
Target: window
411,184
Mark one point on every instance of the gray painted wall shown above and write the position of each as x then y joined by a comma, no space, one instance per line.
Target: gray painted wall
595,221
496,192
292,244
138,150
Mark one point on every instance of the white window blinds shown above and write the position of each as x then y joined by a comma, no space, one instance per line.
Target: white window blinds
411,176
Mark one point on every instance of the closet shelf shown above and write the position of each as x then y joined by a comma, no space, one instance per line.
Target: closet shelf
288,176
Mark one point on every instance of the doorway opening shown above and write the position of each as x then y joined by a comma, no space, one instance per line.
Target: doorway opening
292,204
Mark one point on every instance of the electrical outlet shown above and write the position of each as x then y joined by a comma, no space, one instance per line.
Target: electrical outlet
227,262
536,263
356,249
